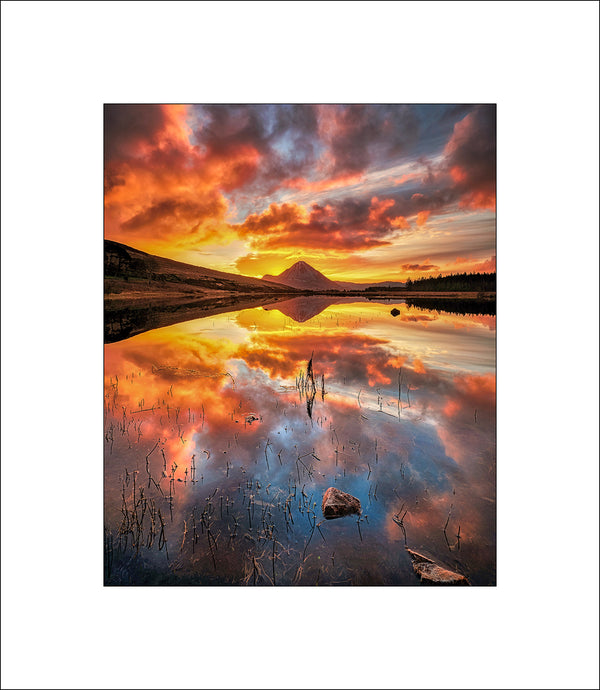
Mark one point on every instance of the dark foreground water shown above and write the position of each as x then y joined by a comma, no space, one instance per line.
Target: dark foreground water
219,445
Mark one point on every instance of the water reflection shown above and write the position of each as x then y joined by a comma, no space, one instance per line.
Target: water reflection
455,305
217,456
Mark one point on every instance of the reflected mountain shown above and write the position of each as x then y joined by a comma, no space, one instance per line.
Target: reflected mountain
302,309
124,318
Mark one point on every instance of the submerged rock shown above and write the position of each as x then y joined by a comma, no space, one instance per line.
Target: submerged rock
433,574
336,504
395,312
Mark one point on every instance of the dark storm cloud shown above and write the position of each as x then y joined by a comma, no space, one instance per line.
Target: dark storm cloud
362,134
188,213
229,127
285,136
352,211
473,143
226,127
470,157
126,126
306,140
300,120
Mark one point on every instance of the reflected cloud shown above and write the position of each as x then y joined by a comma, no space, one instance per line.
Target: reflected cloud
210,416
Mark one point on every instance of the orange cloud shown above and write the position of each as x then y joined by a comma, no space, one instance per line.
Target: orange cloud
405,178
342,228
420,267
418,366
486,266
458,174
479,201
273,219
378,208
477,385
400,222
353,357
416,318
160,190
422,217
452,407
375,377
474,265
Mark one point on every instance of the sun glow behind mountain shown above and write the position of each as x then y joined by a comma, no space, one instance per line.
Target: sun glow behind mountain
304,277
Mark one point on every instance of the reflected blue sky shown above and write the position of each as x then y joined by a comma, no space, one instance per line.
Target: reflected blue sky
216,400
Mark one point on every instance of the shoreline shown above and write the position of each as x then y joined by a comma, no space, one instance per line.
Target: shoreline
128,314
173,295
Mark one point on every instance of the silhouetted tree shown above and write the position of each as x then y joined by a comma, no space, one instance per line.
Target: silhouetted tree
456,282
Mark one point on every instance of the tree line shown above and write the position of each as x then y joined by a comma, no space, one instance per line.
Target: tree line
456,282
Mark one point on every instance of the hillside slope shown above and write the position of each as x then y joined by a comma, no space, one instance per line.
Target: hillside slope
131,272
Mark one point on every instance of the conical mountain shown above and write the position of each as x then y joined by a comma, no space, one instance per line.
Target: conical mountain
303,277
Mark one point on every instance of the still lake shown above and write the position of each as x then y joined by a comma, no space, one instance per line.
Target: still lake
217,453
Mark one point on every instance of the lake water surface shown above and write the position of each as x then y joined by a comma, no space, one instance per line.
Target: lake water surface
217,453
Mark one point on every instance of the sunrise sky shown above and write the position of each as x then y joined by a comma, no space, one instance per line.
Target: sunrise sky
361,192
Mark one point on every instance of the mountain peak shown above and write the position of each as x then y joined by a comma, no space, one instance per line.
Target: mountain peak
301,267
302,276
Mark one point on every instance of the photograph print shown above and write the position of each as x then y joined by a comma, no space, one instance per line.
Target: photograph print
299,345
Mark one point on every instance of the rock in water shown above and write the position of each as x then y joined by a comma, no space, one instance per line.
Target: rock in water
395,312
336,504
433,574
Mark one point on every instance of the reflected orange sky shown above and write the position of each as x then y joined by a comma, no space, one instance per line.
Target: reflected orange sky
220,392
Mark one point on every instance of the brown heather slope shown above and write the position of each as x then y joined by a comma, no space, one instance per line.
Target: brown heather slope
132,274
